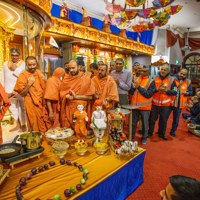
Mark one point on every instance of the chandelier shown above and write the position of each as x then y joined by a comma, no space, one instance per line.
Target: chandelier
139,15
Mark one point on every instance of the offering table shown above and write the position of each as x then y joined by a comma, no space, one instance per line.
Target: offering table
110,177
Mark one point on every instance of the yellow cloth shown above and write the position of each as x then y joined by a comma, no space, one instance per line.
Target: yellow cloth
55,180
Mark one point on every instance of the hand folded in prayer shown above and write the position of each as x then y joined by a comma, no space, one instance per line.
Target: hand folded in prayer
13,94
188,119
31,80
105,102
96,95
162,88
190,105
73,94
13,66
69,97
135,85
108,100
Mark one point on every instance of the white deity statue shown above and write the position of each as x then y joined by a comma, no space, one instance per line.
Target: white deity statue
98,121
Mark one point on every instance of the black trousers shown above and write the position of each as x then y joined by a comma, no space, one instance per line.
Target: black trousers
145,121
176,116
163,113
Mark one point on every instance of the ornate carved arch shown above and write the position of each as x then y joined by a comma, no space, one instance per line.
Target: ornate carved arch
192,63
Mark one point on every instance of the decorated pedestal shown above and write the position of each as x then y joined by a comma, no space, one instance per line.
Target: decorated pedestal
117,138
116,120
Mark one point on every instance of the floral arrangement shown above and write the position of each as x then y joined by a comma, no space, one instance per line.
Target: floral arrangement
120,144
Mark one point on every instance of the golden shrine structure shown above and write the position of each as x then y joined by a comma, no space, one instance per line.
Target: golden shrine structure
30,26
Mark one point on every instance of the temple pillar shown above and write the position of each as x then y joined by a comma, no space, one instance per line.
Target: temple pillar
6,34
67,52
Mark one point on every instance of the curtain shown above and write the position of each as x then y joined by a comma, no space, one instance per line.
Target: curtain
146,37
55,10
194,43
75,16
132,35
172,39
97,23
114,29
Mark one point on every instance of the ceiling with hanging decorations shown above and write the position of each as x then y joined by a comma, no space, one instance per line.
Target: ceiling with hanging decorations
141,15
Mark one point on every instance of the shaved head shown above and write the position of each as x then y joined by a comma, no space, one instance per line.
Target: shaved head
164,70
73,67
184,70
182,74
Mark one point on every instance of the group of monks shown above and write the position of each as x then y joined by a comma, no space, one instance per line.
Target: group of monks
52,103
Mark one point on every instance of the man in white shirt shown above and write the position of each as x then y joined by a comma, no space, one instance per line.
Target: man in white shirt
10,72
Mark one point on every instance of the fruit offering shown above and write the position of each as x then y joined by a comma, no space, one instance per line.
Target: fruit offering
100,147
67,192
81,147
81,144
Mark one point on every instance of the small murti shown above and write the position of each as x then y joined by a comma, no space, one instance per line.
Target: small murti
98,121
80,118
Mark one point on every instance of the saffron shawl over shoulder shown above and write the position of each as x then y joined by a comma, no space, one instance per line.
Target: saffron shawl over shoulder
53,85
81,84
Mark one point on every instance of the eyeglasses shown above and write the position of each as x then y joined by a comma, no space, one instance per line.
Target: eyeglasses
119,63
14,55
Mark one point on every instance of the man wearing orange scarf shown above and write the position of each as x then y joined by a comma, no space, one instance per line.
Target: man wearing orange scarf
31,85
52,94
76,85
106,88
4,105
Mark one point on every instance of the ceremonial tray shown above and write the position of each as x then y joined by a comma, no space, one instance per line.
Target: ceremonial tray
59,133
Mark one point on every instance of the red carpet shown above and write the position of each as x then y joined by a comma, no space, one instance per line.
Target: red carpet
180,155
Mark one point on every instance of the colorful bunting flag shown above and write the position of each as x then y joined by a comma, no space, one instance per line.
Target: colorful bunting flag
173,9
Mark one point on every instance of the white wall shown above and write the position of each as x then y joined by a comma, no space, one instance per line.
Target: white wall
175,54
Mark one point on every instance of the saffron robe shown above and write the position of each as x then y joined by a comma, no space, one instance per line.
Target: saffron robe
37,116
4,103
106,88
80,84
52,93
